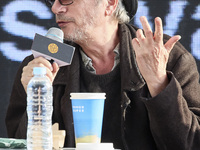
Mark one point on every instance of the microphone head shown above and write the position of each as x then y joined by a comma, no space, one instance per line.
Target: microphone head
55,34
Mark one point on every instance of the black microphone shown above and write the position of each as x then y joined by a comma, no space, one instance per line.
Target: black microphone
52,47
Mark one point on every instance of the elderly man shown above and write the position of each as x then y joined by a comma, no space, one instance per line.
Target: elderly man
151,82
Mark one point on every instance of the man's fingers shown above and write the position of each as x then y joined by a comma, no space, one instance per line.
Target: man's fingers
171,42
147,28
140,35
50,75
135,43
145,24
158,35
27,73
55,67
42,62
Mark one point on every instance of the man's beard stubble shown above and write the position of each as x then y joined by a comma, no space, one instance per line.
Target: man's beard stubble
81,32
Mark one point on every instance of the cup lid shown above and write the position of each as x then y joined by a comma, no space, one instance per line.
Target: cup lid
87,95
94,146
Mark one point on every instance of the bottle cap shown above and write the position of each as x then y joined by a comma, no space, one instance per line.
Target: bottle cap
39,70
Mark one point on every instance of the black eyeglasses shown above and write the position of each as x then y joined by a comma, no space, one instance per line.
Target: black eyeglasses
50,3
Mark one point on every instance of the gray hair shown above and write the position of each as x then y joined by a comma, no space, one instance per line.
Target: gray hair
121,14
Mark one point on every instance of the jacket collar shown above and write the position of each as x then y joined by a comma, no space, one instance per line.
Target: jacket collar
131,78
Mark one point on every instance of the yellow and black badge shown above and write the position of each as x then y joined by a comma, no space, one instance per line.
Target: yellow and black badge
53,48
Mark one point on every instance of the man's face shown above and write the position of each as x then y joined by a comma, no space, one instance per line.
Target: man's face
78,20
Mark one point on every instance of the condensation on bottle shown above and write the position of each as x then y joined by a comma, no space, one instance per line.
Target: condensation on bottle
39,111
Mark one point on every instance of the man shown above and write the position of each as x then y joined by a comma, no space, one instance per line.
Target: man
151,82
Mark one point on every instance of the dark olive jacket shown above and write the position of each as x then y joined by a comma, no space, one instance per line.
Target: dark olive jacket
169,121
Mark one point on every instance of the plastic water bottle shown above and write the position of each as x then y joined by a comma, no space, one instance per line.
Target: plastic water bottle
39,110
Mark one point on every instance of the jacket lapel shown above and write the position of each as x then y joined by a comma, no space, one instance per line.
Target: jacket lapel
69,77
131,77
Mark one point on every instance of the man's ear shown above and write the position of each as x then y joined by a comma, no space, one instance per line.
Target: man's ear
111,7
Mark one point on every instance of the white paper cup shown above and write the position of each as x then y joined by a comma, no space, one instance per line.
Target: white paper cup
88,111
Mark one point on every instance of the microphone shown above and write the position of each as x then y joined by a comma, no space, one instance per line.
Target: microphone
52,48
55,34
